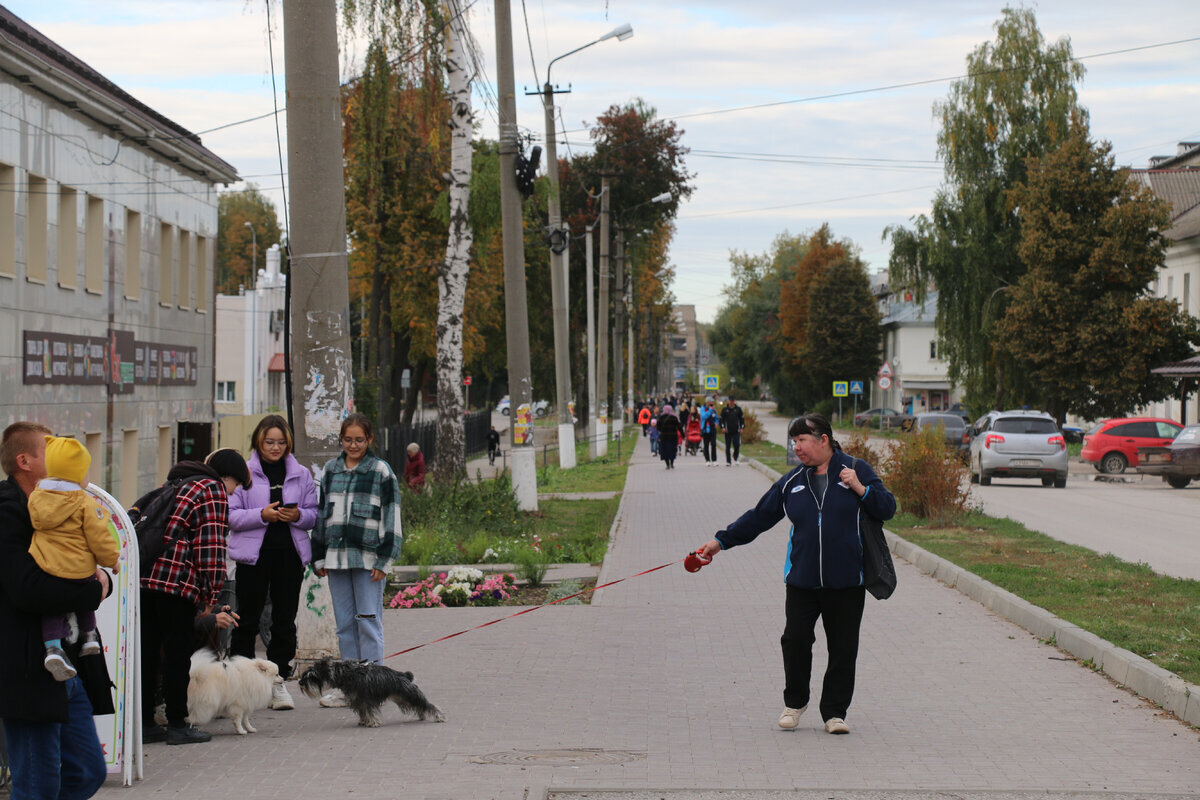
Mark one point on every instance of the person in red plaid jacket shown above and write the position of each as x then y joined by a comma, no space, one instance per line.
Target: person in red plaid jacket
184,580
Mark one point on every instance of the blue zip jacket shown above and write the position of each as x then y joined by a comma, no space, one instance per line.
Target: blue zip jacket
825,545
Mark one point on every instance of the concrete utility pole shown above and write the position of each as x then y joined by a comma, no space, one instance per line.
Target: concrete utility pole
560,240
524,462
602,313
629,315
593,428
318,279
618,334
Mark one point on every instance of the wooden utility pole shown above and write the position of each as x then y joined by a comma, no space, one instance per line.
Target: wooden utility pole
318,277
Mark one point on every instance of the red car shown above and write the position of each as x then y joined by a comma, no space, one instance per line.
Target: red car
1113,444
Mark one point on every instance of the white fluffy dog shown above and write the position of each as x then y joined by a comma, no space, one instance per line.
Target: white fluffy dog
231,688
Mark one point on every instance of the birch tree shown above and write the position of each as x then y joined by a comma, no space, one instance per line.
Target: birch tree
452,274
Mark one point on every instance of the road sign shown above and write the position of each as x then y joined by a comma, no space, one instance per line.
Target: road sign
841,388
886,370
466,380
856,387
712,382
885,383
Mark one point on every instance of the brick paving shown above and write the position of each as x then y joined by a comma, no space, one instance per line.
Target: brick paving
673,681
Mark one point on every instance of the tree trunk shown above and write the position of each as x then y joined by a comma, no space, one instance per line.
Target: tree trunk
452,275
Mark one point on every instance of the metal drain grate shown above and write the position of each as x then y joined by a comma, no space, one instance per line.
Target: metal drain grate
559,757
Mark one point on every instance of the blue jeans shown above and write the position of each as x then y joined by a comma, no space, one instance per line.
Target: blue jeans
358,610
55,761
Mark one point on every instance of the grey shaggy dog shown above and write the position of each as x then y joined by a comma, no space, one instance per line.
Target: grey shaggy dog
367,686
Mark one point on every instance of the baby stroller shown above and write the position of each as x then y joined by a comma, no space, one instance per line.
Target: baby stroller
693,436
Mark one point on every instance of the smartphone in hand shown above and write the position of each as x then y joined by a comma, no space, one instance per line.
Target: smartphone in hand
289,505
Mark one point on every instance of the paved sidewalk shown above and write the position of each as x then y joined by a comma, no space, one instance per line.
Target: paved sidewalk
670,683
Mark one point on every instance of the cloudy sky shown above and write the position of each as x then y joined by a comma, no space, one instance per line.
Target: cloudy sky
796,112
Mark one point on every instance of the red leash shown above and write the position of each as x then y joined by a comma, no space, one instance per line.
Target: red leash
535,608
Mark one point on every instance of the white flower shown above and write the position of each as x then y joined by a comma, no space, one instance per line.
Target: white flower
464,575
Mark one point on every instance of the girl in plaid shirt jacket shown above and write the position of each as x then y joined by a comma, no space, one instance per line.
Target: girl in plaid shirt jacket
356,539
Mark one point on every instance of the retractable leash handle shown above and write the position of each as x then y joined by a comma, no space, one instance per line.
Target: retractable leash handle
696,560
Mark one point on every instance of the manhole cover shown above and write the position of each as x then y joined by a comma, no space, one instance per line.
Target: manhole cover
560,756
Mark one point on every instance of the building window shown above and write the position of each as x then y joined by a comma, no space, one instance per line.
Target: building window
8,220
202,281
129,468
68,238
166,263
933,350
133,255
93,267
37,228
1170,286
226,391
1187,292
184,279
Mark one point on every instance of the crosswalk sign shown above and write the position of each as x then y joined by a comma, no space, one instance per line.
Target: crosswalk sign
712,382
856,387
841,388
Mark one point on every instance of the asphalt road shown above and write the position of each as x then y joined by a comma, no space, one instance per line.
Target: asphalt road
1136,518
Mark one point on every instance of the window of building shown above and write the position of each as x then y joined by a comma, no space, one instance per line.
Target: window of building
184,277
202,281
933,349
93,255
133,255
164,455
1187,292
166,263
68,238
8,221
129,468
226,391
1170,286
94,442
37,229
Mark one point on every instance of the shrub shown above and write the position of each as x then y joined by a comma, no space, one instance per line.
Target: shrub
857,447
927,478
753,432
565,589
532,561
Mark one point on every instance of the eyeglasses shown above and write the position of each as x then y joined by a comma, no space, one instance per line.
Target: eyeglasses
274,442
346,440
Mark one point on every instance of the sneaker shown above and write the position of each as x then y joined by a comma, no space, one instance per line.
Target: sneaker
333,699
790,717
727,463
91,644
280,699
836,725
737,463
187,734
154,733
58,664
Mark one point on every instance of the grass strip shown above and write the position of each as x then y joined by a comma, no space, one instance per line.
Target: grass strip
604,474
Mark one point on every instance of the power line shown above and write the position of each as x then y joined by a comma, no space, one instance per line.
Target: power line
807,203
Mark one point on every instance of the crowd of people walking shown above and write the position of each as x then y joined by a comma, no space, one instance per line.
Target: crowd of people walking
675,423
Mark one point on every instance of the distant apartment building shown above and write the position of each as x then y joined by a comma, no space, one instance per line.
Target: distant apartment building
250,352
108,221
916,377
685,354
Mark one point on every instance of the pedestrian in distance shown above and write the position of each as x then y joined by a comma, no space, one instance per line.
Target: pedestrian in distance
72,536
732,421
185,580
356,540
493,445
654,436
668,436
414,467
708,432
824,498
269,525
50,734
644,419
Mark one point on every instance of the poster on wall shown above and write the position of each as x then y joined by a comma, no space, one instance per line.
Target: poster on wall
115,360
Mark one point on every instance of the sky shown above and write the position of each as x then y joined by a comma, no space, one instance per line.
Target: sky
797,113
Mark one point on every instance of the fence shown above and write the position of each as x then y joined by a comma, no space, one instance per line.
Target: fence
394,439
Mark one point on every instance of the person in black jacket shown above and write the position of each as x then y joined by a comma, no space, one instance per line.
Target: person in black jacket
668,436
53,748
732,422
823,498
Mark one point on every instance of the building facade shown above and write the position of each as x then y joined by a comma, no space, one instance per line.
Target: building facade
108,222
920,378
250,352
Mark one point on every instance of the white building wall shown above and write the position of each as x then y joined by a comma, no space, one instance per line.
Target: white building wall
1179,280
84,291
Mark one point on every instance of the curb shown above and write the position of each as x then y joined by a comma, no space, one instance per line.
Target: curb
1127,669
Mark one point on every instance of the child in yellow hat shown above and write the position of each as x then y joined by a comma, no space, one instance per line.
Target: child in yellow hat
71,535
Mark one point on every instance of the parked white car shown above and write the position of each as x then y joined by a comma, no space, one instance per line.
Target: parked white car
540,407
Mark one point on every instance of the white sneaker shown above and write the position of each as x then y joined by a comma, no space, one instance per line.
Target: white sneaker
836,725
280,699
333,699
790,717
737,463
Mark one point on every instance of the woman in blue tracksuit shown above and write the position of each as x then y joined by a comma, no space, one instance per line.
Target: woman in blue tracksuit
823,498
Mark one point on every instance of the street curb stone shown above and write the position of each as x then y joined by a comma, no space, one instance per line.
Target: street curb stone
1139,675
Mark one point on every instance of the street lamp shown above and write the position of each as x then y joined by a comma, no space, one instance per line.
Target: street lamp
559,240
254,256
253,318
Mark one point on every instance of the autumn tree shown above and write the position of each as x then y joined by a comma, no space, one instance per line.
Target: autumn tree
746,332
1081,323
235,242
843,340
1014,104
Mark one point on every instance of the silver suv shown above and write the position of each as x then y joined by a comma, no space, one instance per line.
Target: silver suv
1018,444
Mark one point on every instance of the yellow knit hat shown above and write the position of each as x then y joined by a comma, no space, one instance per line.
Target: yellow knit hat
67,459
